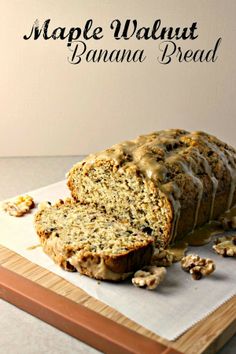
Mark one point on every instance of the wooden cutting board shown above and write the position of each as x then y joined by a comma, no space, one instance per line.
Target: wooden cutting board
207,336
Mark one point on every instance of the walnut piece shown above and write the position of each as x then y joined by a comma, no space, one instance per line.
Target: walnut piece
196,266
162,258
225,246
20,206
149,277
228,222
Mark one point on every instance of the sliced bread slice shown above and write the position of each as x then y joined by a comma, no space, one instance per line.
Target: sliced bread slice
78,237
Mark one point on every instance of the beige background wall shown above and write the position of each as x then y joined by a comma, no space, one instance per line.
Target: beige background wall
50,107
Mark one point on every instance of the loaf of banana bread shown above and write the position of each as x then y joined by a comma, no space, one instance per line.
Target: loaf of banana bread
165,184
78,237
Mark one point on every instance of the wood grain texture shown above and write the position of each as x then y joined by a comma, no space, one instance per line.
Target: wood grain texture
207,336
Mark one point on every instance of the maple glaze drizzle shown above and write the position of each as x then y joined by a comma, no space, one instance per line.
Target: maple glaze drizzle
178,250
203,235
200,236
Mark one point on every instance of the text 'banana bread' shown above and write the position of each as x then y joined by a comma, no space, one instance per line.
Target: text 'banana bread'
78,237
165,184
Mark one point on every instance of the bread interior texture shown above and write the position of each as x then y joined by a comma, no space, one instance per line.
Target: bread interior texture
77,237
125,195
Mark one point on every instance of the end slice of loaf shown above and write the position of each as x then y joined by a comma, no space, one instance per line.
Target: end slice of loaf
78,237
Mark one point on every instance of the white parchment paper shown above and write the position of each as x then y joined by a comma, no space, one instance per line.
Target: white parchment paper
176,305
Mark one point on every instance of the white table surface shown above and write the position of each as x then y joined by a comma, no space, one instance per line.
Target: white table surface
19,331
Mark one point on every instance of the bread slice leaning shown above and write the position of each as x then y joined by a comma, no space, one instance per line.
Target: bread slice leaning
79,238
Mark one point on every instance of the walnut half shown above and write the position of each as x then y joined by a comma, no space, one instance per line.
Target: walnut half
228,222
225,246
197,267
20,206
149,277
